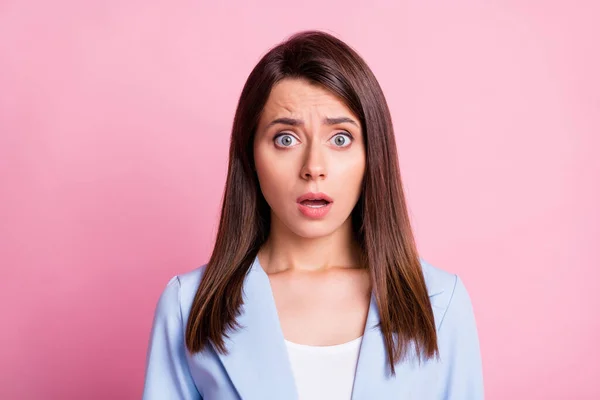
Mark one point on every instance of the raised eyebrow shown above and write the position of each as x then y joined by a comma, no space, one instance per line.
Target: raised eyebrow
286,121
299,122
339,120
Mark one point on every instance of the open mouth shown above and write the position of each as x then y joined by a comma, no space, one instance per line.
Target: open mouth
315,203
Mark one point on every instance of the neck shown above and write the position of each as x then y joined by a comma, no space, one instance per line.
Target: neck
285,250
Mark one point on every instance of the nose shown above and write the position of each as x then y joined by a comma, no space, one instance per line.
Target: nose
314,166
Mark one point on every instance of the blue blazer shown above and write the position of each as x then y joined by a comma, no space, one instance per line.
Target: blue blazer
257,367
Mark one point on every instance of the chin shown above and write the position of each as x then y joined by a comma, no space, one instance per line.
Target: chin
314,229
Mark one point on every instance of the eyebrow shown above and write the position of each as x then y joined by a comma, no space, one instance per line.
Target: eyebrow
299,122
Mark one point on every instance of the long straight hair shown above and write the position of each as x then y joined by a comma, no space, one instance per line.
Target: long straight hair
380,218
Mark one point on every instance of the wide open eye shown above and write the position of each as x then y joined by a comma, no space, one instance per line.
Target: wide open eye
285,140
342,140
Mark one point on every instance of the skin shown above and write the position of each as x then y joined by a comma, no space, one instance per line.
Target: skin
321,292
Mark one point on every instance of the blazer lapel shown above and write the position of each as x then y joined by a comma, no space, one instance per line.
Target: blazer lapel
368,379
373,379
257,360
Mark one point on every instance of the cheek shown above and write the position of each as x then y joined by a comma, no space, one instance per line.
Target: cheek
350,172
261,161
360,166
272,180
350,180
275,171
268,182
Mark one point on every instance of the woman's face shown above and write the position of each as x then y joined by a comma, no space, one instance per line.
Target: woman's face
307,141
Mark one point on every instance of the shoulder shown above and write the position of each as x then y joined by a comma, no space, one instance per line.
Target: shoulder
447,292
178,294
190,280
188,283
457,336
437,280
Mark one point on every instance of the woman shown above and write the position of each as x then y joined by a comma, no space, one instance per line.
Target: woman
314,289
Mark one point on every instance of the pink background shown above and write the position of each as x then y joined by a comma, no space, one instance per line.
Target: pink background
114,126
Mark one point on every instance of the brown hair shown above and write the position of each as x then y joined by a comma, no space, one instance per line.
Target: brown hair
380,219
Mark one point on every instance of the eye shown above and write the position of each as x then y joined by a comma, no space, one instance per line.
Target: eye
284,140
342,139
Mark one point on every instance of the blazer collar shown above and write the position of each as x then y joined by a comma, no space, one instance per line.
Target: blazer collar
373,374
257,360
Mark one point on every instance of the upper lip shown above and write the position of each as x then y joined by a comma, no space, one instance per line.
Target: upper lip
314,196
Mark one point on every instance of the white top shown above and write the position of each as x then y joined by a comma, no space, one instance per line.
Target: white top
324,372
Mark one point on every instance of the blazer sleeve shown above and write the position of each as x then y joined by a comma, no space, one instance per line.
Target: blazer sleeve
167,373
460,352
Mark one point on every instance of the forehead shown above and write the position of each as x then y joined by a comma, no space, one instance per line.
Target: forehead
299,96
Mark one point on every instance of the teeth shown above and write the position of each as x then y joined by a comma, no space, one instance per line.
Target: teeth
308,205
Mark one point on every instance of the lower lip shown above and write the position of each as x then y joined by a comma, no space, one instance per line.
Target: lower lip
314,212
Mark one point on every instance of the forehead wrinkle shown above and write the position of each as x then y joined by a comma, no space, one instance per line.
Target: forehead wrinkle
285,100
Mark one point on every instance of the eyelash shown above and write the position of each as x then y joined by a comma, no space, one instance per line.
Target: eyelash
347,134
